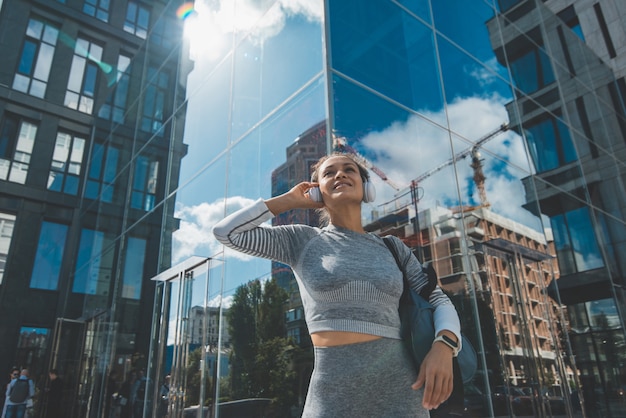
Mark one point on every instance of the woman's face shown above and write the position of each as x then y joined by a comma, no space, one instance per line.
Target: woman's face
340,180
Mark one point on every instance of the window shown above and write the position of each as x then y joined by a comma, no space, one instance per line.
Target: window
137,20
33,70
605,30
31,347
81,87
550,144
133,268
7,222
165,32
569,17
66,164
49,256
576,245
507,4
530,66
97,8
154,101
17,138
102,172
144,184
94,263
115,106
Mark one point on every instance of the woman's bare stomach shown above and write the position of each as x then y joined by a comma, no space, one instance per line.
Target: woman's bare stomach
335,338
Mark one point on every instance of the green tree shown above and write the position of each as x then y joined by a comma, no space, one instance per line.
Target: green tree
261,354
242,317
194,379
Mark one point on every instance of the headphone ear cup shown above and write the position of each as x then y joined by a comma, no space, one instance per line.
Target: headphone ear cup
369,192
315,194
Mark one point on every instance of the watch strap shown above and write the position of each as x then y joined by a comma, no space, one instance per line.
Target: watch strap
449,342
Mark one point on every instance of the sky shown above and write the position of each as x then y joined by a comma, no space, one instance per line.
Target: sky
475,112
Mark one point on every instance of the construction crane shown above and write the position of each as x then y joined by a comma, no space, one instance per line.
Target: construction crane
477,166
471,150
340,144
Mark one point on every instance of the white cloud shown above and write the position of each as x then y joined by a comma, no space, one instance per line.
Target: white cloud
406,150
220,300
212,24
195,236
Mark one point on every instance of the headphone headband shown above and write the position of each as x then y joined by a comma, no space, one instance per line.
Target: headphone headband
369,192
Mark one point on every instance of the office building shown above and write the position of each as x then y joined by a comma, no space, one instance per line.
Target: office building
91,126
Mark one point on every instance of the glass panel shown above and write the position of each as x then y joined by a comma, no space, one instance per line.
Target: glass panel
28,58
34,28
31,346
133,268
7,223
93,265
397,59
44,61
49,256
76,74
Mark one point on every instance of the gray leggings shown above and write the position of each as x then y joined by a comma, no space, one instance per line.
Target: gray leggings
364,380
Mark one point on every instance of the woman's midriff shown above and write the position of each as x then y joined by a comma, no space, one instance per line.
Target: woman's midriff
335,338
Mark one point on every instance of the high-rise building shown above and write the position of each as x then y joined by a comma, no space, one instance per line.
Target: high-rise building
571,110
91,127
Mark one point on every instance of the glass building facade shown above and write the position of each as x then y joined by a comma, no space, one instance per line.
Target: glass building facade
495,135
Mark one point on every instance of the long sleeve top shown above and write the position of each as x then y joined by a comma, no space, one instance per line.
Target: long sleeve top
348,281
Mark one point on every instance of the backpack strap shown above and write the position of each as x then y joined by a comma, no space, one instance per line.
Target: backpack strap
428,269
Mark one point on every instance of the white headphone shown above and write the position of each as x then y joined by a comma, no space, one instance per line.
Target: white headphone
369,192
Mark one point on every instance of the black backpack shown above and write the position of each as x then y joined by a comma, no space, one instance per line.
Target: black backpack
20,391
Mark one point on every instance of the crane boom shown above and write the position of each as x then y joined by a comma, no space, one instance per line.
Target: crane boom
473,149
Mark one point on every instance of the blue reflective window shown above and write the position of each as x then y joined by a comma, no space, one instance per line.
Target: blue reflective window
137,20
49,256
133,268
97,8
94,263
550,144
144,184
91,73
102,173
66,165
28,57
576,244
154,102
420,7
386,49
114,107
570,18
532,71
507,4
83,79
36,57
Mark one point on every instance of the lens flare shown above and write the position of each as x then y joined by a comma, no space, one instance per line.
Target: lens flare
185,10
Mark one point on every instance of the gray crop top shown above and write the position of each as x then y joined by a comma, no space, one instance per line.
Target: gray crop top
348,281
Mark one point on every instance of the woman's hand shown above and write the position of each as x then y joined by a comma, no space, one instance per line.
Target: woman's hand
437,375
296,198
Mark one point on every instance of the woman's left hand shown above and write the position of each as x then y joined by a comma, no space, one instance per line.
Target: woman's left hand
436,376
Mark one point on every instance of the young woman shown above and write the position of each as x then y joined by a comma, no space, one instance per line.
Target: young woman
350,287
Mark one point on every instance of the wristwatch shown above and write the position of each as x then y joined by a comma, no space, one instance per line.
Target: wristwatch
449,342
